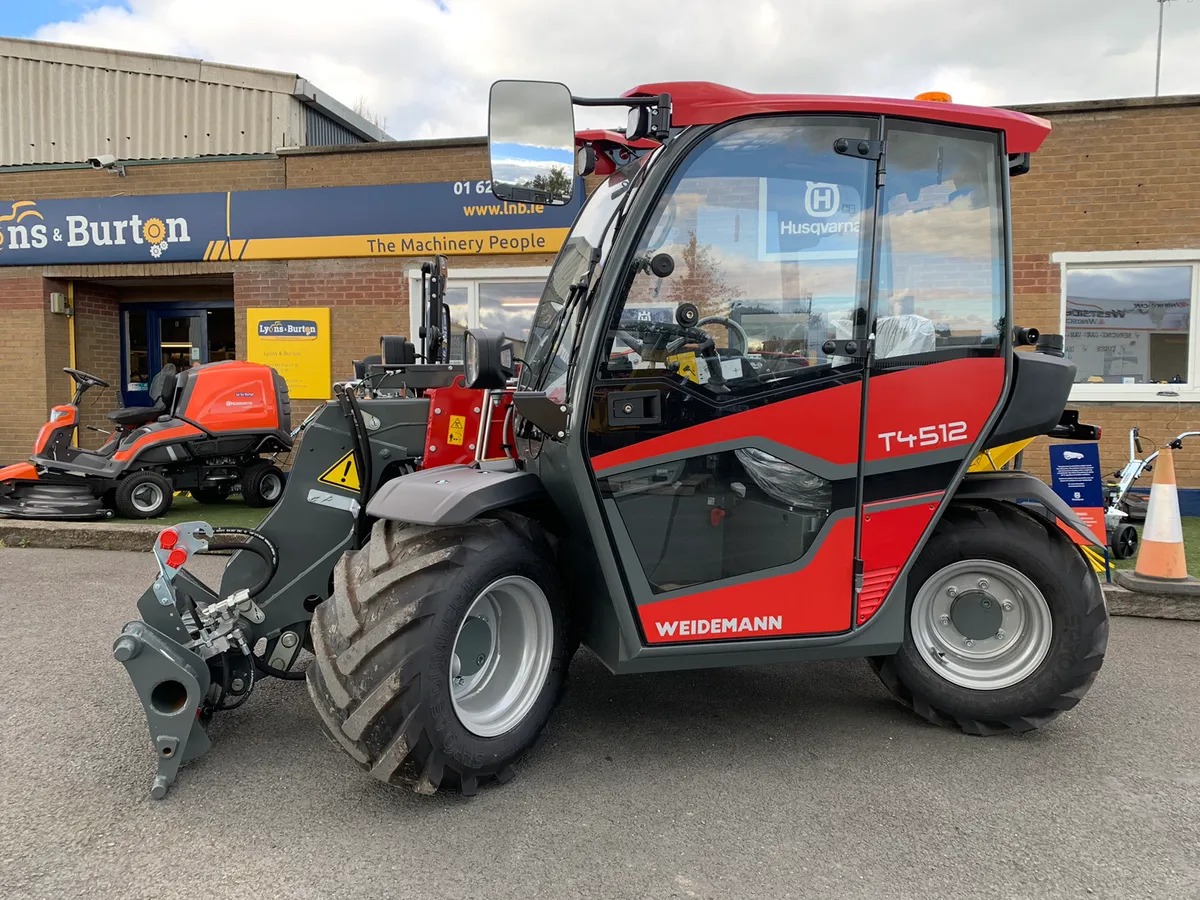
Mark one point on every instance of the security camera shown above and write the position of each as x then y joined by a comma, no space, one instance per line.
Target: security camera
106,161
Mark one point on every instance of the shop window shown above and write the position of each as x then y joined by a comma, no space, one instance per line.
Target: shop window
137,351
487,298
221,343
1129,326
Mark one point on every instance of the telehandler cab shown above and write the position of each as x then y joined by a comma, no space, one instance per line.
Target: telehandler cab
739,432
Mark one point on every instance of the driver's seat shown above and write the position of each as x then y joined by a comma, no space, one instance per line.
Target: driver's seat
162,392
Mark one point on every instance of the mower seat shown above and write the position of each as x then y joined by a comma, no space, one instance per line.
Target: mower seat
162,392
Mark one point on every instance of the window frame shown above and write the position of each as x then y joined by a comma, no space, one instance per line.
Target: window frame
470,278
1135,259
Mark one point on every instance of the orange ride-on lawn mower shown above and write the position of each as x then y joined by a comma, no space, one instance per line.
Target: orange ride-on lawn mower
741,433
203,433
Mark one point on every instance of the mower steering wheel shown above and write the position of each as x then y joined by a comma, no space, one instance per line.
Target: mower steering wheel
734,329
85,378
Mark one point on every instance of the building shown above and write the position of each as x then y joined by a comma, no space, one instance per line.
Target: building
1106,243
166,259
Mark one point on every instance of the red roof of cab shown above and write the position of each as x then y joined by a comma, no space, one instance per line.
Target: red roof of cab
705,103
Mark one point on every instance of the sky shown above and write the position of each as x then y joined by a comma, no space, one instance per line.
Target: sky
426,65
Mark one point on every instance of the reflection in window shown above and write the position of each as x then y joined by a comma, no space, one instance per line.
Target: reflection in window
719,515
1129,325
765,227
509,306
941,275
456,299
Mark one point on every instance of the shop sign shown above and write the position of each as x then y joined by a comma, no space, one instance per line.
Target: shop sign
455,218
295,341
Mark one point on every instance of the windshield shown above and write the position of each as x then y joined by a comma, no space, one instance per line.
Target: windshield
590,229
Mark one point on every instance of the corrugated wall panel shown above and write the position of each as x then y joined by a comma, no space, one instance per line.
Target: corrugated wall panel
322,131
54,113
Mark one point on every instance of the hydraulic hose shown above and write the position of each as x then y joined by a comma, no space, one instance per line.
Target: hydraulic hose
258,544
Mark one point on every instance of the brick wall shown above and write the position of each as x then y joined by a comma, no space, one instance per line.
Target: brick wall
98,352
22,362
1108,179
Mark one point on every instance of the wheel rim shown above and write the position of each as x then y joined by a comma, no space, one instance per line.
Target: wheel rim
501,656
981,625
146,497
271,487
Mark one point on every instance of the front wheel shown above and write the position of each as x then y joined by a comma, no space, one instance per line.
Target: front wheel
143,495
442,652
1007,625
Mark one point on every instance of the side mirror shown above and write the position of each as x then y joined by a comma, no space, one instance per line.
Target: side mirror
531,139
489,360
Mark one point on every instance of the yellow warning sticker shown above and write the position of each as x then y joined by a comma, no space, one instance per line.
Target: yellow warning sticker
343,474
687,366
458,425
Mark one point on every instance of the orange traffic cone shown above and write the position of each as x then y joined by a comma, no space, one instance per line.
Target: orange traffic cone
1161,556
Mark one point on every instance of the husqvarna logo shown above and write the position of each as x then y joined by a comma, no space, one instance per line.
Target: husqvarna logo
822,199
288,329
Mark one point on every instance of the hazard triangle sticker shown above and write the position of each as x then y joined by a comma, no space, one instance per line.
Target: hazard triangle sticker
343,474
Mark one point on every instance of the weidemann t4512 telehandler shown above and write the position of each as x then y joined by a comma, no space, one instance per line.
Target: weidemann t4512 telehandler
774,341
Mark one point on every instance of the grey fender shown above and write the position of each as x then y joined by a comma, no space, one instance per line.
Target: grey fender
1014,486
452,495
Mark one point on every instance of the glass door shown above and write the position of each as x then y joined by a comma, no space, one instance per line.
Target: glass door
157,334
181,340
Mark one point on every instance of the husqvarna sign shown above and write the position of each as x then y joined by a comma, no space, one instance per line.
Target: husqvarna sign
808,220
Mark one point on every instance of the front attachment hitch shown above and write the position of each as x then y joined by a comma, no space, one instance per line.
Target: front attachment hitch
185,628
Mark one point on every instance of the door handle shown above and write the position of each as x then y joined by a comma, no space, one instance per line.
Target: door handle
634,408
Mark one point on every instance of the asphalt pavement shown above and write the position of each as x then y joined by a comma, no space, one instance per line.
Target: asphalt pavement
773,782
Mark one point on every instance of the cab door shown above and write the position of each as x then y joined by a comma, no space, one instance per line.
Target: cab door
745,492
725,431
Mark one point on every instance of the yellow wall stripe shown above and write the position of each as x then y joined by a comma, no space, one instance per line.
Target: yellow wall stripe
451,243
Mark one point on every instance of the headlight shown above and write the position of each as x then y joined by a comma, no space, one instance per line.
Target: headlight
56,414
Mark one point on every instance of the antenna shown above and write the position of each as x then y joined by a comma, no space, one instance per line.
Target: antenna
1158,55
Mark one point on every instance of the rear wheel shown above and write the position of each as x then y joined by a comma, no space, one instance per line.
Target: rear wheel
1006,627
262,483
442,652
143,495
1124,541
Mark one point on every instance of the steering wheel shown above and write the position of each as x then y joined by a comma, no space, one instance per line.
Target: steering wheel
734,328
85,378
670,338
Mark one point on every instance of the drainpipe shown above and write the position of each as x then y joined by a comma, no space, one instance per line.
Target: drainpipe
71,348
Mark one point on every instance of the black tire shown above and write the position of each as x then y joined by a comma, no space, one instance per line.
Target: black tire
1123,542
262,483
1079,623
382,647
143,495
210,495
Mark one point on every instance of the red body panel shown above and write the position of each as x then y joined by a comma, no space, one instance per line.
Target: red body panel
22,471
233,396
889,536
813,600
455,426
706,103
825,424
70,416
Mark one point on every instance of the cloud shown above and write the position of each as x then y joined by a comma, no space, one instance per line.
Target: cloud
427,65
